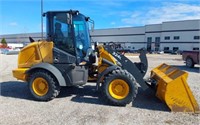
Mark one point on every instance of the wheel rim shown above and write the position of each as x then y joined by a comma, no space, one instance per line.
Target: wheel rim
40,86
118,89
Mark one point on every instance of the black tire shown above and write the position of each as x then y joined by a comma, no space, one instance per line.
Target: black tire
53,86
129,80
189,62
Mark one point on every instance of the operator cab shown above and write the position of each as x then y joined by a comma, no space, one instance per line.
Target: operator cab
69,31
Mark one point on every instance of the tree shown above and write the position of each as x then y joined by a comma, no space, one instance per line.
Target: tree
4,43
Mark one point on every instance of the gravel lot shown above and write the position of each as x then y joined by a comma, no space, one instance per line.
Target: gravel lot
81,106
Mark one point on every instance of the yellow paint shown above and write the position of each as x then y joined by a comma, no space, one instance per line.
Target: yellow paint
33,54
172,88
118,89
20,73
103,54
40,86
46,50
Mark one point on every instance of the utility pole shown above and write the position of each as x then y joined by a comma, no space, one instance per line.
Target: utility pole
42,18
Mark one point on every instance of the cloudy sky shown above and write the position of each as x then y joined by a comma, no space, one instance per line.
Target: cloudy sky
23,16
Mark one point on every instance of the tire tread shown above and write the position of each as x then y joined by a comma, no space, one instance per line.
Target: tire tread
121,74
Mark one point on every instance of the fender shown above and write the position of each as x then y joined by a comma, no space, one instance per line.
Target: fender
52,69
101,75
131,67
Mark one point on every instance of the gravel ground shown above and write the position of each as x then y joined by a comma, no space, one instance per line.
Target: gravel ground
81,105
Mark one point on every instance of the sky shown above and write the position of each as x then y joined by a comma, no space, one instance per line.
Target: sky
24,16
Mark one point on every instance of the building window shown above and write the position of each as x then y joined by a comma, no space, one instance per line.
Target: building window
149,38
157,43
196,37
149,41
167,37
166,48
196,48
175,48
176,37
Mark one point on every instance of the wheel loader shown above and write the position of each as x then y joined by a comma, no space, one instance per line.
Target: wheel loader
66,58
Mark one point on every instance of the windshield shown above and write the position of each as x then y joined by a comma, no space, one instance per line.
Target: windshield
81,30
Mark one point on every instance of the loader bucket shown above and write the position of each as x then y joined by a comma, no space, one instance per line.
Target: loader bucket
172,88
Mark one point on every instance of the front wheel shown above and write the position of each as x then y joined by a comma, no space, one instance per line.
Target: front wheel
119,88
43,85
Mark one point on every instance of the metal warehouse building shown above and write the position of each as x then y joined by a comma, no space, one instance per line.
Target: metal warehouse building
168,36
181,35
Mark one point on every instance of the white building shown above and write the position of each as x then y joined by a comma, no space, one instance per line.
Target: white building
181,35
20,40
14,45
168,36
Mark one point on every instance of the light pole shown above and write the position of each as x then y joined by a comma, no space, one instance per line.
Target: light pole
42,18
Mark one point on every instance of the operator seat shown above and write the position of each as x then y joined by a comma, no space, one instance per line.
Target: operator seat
58,36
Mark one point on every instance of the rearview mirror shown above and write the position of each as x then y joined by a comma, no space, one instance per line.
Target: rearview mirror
92,27
92,24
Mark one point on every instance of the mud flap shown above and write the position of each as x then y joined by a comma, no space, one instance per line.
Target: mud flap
172,88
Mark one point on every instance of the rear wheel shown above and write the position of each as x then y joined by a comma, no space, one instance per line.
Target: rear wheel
189,62
43,85
119,88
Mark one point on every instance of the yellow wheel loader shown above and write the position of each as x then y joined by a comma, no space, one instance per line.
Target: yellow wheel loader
66,58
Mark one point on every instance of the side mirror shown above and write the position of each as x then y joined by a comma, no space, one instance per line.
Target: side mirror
87,19
92,27
92,24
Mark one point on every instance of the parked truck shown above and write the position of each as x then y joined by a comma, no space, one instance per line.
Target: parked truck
191,58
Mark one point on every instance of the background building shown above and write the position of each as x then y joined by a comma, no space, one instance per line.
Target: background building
168,36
